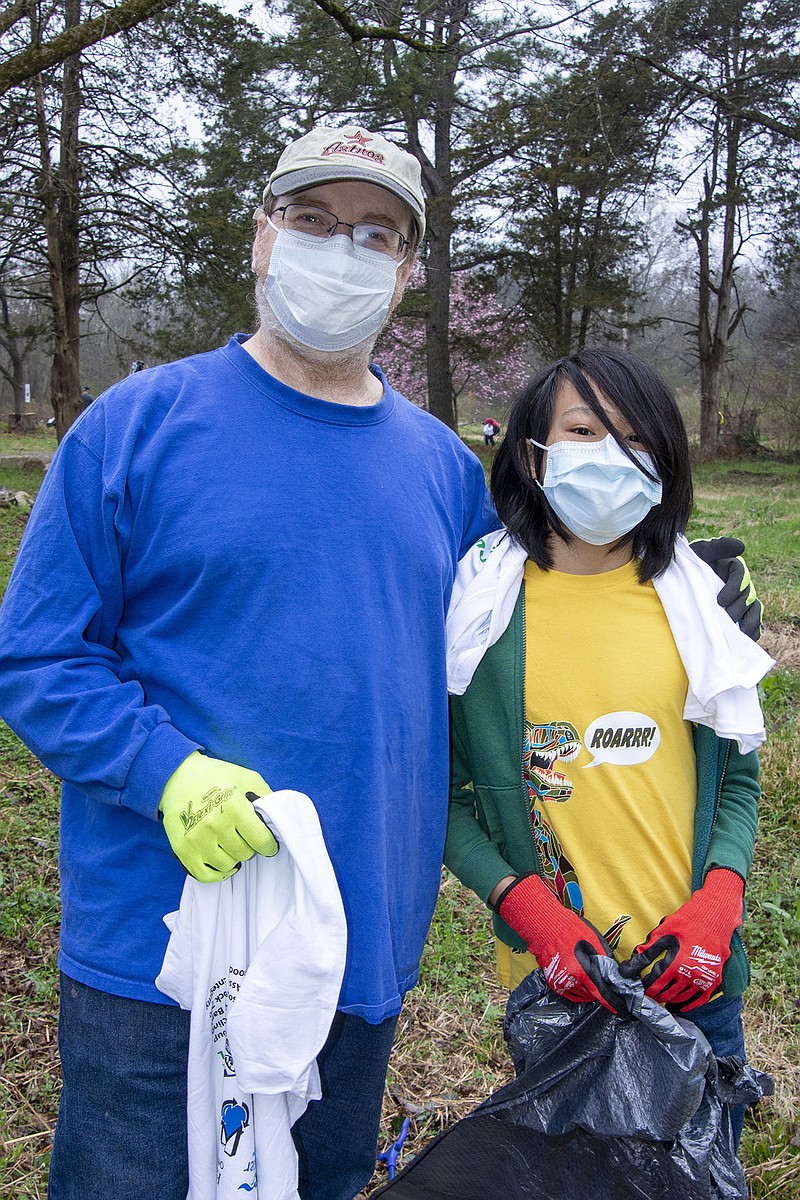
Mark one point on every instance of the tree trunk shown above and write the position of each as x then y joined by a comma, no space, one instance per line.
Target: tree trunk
437,179
718,313
562,315
15,372
65,377
590,271
60,200
441,400
711,368
574,274
717,320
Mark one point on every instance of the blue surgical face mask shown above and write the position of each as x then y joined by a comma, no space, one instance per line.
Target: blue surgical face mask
596,490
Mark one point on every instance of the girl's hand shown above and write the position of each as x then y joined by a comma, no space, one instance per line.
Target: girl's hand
561,941
695,943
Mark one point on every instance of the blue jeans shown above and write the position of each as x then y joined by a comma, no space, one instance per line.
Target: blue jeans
721,1022
121,1129
352,1067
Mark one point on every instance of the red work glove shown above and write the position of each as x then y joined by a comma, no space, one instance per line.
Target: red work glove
695,942
563,944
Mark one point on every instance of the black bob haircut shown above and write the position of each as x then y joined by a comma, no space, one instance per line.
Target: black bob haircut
646,403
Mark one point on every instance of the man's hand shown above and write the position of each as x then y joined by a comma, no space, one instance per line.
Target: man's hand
738,596
561,941
209,817
695,943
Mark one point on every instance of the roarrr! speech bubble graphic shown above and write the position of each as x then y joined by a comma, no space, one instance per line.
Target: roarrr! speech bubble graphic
624,738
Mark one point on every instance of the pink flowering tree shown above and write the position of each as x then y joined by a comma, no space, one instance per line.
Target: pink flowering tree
487,345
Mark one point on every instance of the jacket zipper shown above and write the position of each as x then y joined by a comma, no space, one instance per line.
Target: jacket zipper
525,797
718,800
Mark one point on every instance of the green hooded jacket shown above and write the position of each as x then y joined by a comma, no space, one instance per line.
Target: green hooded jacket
489,832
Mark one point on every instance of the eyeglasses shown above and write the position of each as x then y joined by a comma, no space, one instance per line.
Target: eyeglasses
305,218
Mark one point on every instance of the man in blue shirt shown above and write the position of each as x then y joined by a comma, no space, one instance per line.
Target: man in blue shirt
235,578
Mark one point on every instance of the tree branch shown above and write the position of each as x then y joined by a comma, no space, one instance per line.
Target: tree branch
726,105
11,14
359,33
35,59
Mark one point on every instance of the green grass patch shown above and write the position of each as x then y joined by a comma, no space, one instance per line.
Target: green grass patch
29,920
12,527
758,502
773,928
40,440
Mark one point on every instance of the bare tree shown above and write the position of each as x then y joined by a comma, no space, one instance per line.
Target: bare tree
736,64
719,309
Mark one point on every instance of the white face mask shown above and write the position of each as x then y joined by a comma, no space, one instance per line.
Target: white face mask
596,490
326,292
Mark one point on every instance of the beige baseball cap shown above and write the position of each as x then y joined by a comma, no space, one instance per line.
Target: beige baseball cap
325,155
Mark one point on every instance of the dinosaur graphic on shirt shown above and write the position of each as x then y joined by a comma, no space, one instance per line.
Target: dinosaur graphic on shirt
545,745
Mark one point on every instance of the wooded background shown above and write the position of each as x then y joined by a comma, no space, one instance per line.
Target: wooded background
609,171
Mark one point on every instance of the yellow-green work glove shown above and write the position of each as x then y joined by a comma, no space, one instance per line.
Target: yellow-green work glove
209,817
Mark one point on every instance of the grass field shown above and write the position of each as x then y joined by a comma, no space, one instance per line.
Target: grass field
449,1054
40,442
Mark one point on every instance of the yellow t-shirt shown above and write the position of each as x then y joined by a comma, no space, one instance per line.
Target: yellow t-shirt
608,759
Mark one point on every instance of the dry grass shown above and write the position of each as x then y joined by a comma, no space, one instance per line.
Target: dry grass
30,1076
782,641
772,1161
449,1054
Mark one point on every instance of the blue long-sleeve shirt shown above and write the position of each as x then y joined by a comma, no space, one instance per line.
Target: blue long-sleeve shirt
217,561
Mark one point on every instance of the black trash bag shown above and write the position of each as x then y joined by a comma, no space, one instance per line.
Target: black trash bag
604,1107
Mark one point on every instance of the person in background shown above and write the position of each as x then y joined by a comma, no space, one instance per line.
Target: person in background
86,396
490,430
605,715
168,653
